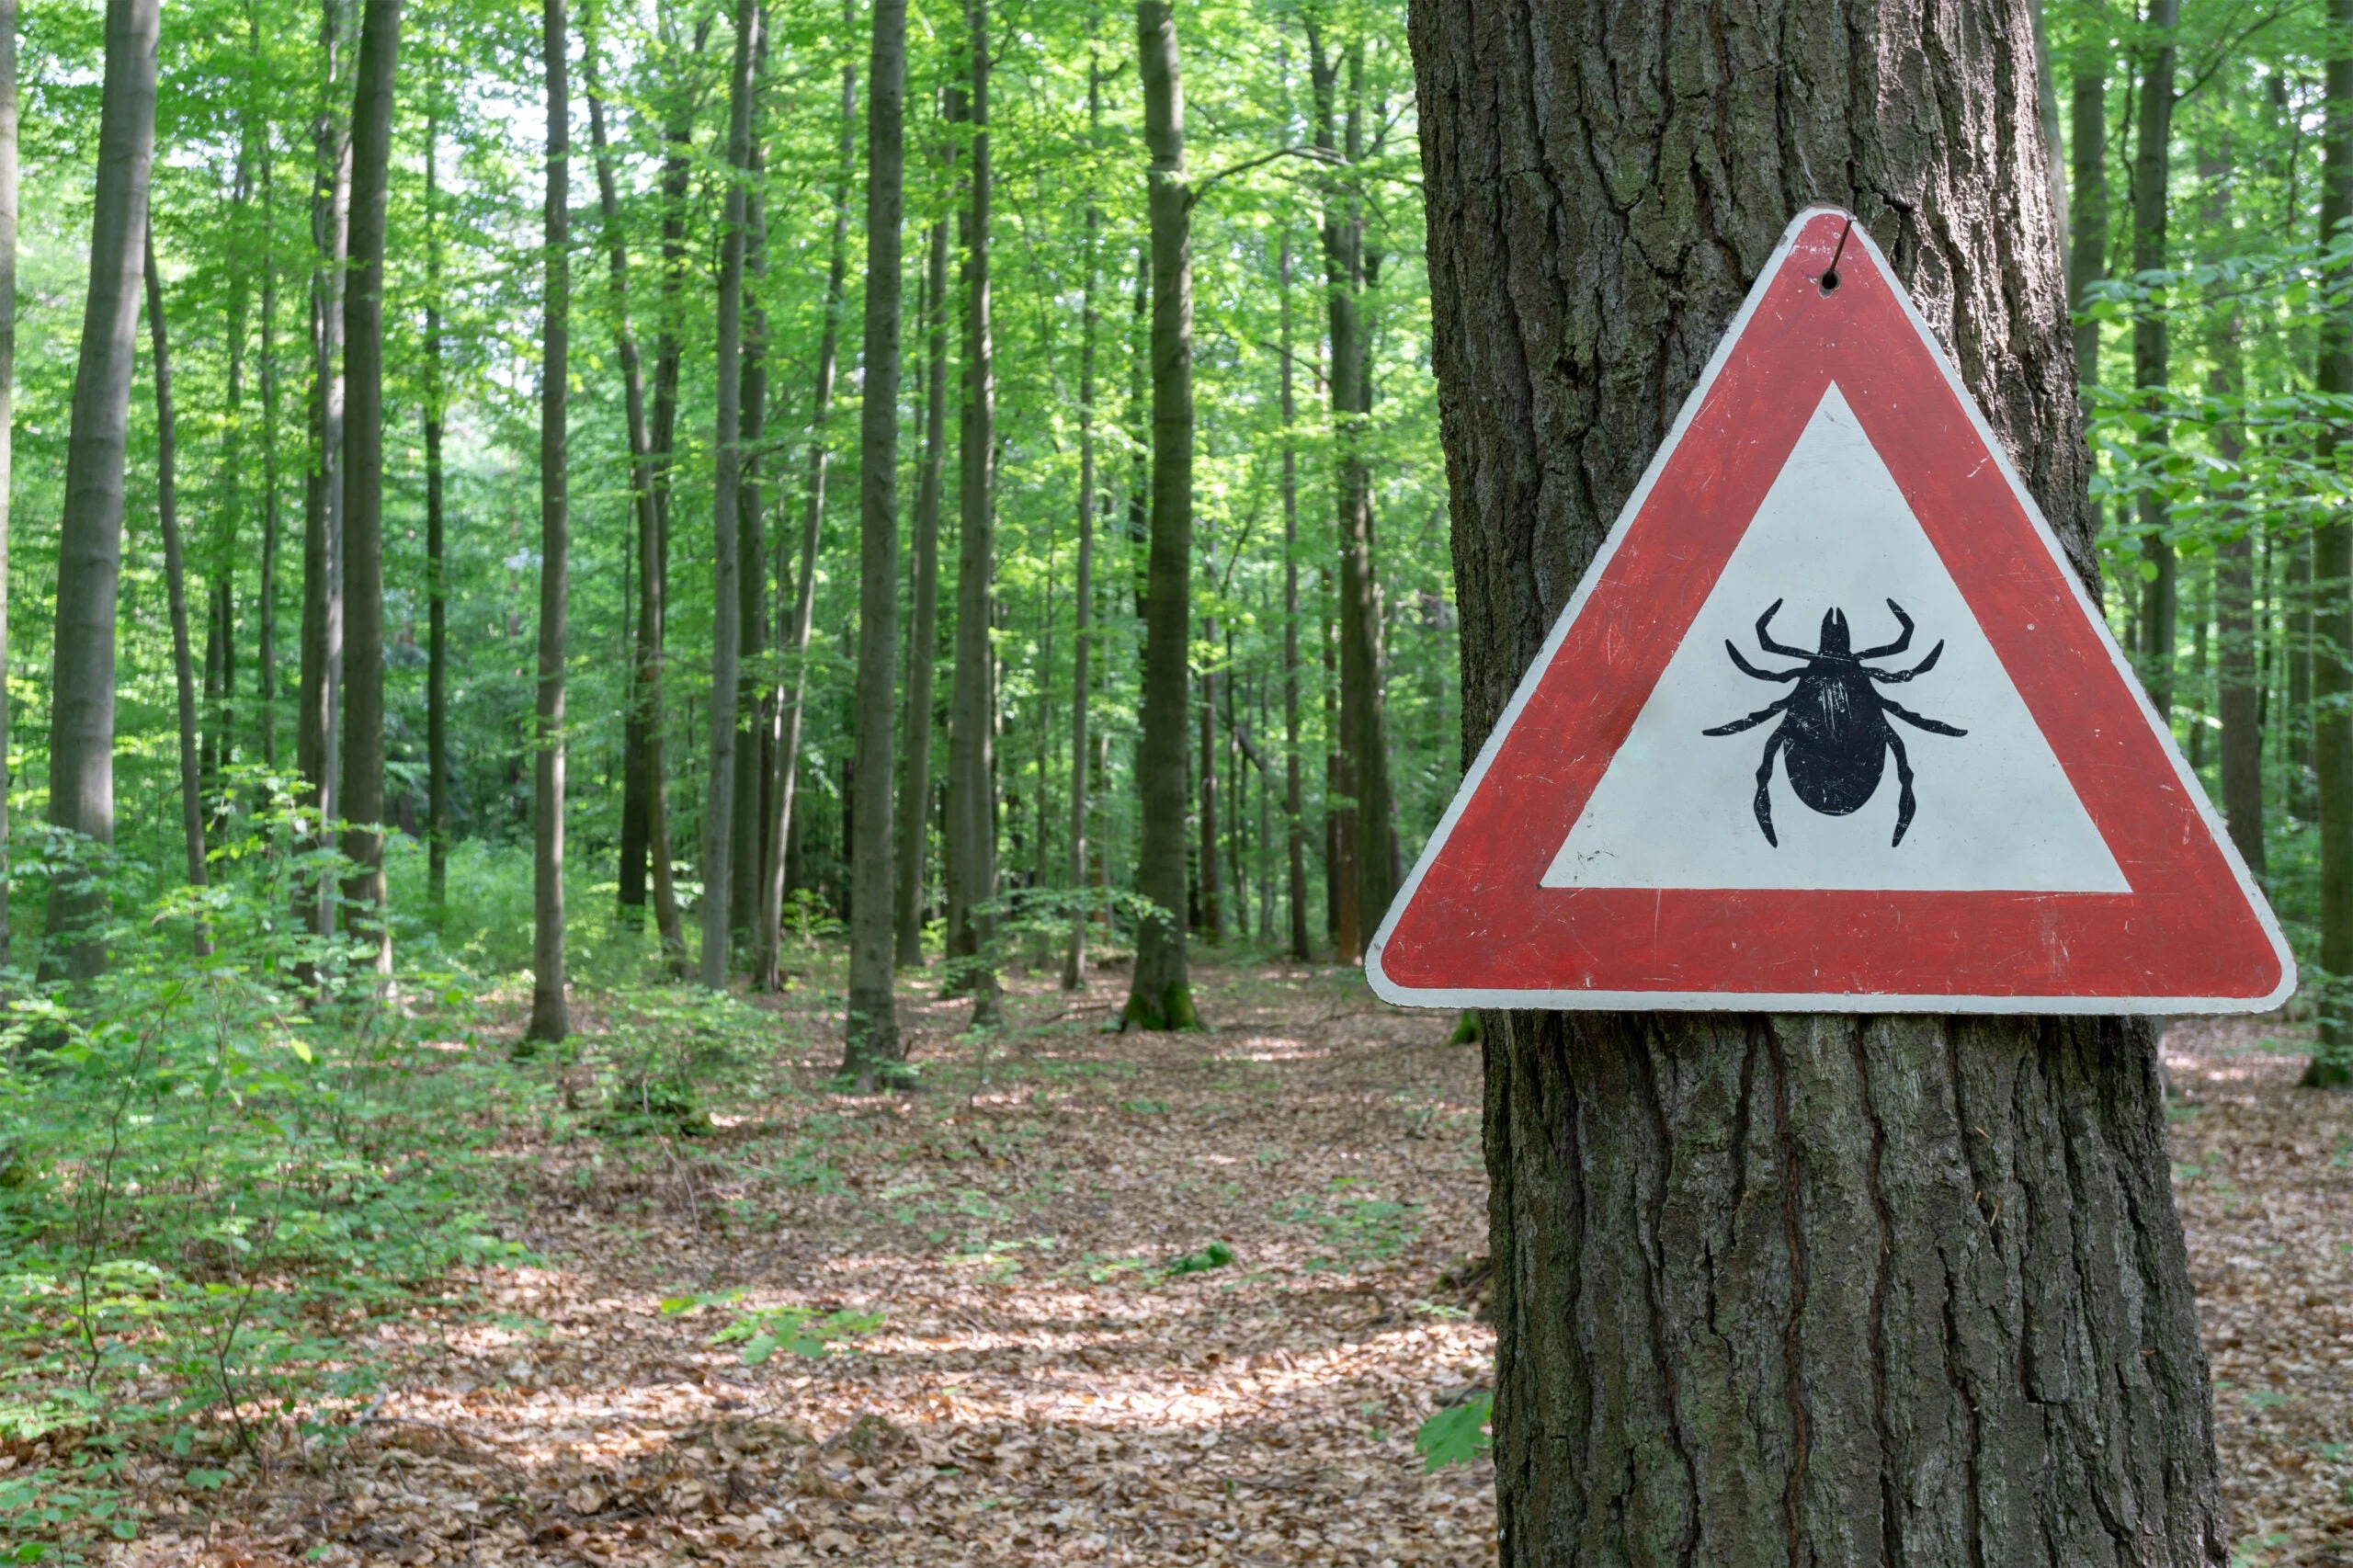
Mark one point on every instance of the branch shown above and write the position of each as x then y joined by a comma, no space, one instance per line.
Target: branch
1314,154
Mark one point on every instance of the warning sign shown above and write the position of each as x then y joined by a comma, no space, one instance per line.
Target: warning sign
1831,724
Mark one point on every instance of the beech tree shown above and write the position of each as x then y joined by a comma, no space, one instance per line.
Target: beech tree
89,550
1161,994
1802,1287
551,1018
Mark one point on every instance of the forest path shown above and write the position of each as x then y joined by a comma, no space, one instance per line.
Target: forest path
1067,1370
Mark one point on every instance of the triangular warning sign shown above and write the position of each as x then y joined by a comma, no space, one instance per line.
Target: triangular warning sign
1831,724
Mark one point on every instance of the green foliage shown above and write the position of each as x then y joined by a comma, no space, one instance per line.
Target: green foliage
805,1331
1217,1254
1457,1434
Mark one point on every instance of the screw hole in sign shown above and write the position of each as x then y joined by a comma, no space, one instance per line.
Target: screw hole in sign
1830,273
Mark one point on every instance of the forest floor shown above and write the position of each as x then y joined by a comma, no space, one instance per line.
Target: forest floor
1114,1299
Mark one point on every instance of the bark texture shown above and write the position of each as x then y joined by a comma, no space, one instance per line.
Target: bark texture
923,634
89,544
871,1046
1160,995
1778,1289
2152,171
970,827
551,1018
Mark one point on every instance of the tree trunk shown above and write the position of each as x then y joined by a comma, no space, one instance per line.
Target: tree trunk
2238,688
363,481
786,761
265,605
1364,732
754,749
718,810
437,571
2152,168
551,1018
89,545
1803,1287
923,638
646,664
1074,951
167,515
1205,775
2332,590
972,771
1295,815
870,1044
7,416
315,746
1161,993
2087,210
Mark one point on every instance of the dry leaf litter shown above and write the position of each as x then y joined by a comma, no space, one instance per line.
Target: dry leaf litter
1050,1384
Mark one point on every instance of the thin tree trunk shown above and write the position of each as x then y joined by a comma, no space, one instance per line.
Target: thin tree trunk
8,419
972,711
437,569
2087,228
1161,994
363,498
2237,686
870,1044
754,750
1082,638
787,762
2332,591
2152,168
718,835
551,1016
1294,810
89,546
923,640
315,745
266,607
1777,1289
1206,874
167,515
646,670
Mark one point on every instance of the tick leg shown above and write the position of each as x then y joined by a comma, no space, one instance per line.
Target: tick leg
1765,638
1903,802
1899,676
1752,720
1934,726
1748,670
1765,789
1901,642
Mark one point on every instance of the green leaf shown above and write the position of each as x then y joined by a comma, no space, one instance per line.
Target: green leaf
759,1349
209,1480
1456,1435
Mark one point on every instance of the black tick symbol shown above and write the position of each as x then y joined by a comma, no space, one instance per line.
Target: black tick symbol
1836,731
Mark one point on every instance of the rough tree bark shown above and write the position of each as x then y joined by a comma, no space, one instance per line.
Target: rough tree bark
2152,168
970,835
870,1043
1794,1288
89,544
168,517
653,804
923,634
363,481
2238,686
551,1018
1160,995
718,823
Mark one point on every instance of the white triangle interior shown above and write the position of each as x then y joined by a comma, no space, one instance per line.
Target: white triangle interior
1675,807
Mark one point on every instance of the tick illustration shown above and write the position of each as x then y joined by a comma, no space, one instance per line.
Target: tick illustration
1835,729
